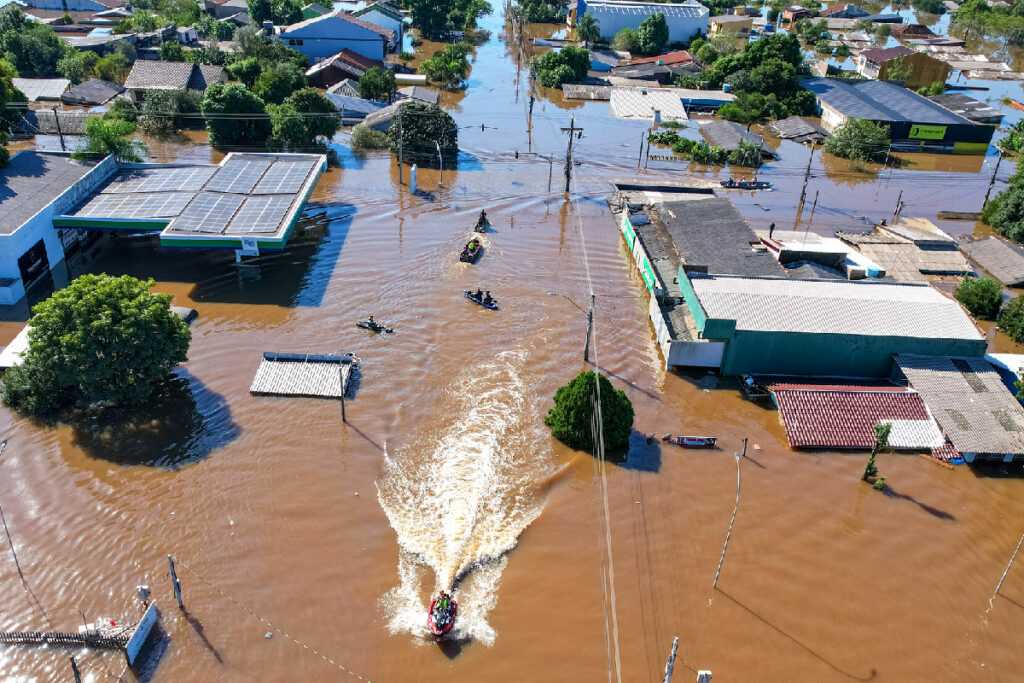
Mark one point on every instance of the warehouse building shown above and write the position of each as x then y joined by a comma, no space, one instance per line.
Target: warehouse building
916,124
685,20
827,328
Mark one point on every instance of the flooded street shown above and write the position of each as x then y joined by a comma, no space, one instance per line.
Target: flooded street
339,534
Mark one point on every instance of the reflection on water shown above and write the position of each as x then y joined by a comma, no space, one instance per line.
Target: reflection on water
461,493
181,423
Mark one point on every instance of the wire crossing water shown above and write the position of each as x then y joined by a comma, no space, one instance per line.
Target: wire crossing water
461,493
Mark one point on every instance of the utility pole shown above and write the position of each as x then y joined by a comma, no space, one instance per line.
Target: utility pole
572,130
341,381
807,174
529,124
400,145
992,182
590,330
899,205
671,663
1005,572
440,165
75,671
640,156
175,583
56,120
551,166
7,531
735,508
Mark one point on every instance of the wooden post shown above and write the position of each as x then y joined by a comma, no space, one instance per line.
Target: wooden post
551,166
992,182
896,211
807,174
1006,571
175,583
341,379
75,671
640,156
735,508
671,663
590,329
56,120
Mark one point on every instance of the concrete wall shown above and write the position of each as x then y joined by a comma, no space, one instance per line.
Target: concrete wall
654,285
40,227
332,35
691,354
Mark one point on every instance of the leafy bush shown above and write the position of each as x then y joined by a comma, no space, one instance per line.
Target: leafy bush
405,56
424,128
672,124
626,40
101,339
448,66
552,69
746,154
703,153
683,146
122,108
572,417
936,88
879,484
882,432
858,139
165,111
377,84
109,136
652,34
364,137
1011,320
823,47
687,81
981,296
666,137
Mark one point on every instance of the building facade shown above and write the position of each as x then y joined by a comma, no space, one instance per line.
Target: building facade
685,20
327,35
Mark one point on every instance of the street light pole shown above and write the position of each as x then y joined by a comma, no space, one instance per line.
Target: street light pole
735,509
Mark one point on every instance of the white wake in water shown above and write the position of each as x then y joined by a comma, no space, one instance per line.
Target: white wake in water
461,493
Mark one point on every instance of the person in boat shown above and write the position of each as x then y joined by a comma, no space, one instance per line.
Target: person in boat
478,295
487,297
730,182
371,321
754,181
483,217
742,183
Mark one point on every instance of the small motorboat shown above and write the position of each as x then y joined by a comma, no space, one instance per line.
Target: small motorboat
745,185
441,616
373,326
695,441
493,304
482,224
472,251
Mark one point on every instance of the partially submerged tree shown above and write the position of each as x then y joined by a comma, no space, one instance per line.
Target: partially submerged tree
653,34
572,419
1011,320
858,139
100,340
221,104
448,66
300,120
587,29
425,130
981,296
377,84
882,431
109,136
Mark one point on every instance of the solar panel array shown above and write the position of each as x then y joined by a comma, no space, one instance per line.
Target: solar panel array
261,214
285,177
209,212
152,205
238,176
185,179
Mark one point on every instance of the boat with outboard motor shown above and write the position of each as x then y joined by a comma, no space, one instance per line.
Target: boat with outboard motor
472,251
731,184
373,326
441,616
482,224
481,299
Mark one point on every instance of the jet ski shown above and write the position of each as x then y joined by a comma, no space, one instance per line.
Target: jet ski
441,617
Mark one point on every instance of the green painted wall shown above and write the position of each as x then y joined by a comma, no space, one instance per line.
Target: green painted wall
829,354
690,297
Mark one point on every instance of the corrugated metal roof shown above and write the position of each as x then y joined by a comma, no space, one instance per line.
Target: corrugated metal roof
91,92
879,101
646,9
844,417
833,307
798,128
968,107
640,103
152,75
1004,260
877,55
41,88
967,397
728,135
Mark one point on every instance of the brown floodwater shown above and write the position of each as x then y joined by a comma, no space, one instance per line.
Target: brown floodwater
338,534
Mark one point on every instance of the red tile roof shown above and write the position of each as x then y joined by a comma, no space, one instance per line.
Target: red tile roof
669,58
844,417
829,11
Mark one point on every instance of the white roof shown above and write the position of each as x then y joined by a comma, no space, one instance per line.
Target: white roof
41,88
833,307
643,9
640,103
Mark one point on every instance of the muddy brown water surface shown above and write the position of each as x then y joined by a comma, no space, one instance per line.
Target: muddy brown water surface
338,534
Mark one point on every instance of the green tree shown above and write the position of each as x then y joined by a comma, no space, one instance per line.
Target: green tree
114,68
981,296
552,69
1011,320
277,82
72,67
364,137
8,94
823,47
572,419
626,40
843,51
164,112
109,136
303,117
100,340
246,70
858,139
783,46
898,70
882,431
424,129
172,51
377,84
33,48
220,107
746,154
774,76
587,29
653,34
430,17
122,108
280,12
448,66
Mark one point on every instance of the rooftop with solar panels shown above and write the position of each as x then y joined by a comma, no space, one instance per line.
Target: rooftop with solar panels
246,201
